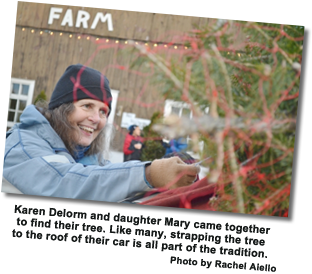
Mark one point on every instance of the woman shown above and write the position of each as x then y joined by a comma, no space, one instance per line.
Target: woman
133,144
58,151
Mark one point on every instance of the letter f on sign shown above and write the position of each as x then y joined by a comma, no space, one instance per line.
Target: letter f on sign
54,14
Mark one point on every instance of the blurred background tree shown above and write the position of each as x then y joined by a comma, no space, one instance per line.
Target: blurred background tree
41,97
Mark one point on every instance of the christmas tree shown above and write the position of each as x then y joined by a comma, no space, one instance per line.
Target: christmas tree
247,74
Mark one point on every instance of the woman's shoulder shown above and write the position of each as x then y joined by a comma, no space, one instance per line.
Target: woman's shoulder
129,136
32,116
33,131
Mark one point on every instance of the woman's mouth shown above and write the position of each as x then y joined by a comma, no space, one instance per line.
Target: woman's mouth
86,129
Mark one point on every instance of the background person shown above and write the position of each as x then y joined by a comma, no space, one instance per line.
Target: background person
58,150
176,145
133,144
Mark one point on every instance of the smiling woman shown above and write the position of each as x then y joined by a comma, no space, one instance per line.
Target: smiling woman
58,150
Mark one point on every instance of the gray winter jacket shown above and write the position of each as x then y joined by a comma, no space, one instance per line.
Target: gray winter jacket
36,162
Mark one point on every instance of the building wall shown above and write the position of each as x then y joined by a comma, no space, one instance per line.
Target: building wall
43,51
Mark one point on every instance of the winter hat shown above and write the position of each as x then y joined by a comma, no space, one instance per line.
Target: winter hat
131,129
81,82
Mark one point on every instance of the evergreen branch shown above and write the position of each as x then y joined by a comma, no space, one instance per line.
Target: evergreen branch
175,126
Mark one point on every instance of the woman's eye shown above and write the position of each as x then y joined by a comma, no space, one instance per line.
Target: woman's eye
103,112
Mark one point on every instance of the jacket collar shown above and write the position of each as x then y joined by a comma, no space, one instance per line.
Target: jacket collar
32,118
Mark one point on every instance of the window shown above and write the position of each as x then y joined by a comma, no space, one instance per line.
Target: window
178,108
21,94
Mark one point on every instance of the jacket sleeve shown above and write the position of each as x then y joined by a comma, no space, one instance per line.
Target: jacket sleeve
33,167
127,145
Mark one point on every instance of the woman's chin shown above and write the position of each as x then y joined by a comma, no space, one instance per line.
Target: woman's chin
85,139
84,143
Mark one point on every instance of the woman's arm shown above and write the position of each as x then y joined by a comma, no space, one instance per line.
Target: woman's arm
33,167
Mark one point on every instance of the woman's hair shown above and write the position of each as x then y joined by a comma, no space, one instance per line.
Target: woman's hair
132,128
58,119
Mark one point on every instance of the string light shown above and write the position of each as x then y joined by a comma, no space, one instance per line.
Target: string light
107,40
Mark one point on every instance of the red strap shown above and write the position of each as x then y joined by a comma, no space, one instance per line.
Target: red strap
194,196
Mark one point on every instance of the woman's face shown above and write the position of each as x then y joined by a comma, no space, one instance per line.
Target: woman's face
136,132
90,116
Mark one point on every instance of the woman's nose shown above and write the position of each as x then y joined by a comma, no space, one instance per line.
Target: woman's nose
95,117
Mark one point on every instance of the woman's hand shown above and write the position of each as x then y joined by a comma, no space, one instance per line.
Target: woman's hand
138,146
171,173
